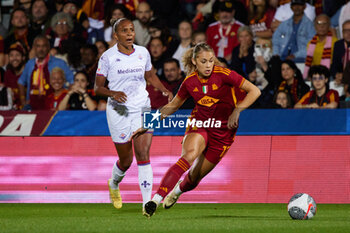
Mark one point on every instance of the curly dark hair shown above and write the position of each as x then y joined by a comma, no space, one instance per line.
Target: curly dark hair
320,70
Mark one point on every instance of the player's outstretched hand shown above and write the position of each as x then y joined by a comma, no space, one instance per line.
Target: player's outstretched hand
169,94
119,96
233,120
138,132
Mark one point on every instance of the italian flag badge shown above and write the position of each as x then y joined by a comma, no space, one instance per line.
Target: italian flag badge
205,89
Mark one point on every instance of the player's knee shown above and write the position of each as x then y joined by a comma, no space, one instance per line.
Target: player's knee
125,164
190,155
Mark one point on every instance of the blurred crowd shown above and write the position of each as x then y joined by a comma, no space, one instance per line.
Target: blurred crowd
297,52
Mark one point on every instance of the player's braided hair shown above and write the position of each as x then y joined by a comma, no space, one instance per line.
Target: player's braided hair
192,53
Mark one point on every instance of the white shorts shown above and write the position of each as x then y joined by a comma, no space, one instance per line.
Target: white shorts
122,125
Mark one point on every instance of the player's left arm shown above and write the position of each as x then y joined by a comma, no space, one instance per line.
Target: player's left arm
153,79
252,94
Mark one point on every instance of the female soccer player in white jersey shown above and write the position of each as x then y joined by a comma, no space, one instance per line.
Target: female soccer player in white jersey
127,67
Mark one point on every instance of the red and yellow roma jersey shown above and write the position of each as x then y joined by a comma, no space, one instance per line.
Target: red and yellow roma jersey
215,96
328,97
52,101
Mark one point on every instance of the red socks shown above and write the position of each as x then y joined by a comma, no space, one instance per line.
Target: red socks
172,176
187,184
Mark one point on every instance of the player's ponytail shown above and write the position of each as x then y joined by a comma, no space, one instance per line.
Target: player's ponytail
193,53
187,61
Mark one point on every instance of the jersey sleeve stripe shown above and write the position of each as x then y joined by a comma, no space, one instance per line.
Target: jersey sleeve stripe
222,69
234,96
189,76
179,96
97,74
219,71
241,84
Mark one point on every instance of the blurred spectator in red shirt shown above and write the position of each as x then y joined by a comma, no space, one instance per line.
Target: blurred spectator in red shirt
260,18
157,51
58,92
222,35
321,96
17,60
20,30
172,82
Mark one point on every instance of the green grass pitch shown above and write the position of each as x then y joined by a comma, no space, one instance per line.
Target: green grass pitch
264,218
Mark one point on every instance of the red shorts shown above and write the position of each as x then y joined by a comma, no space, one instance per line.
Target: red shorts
218,142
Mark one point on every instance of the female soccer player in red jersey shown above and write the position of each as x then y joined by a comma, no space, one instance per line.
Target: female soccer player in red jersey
212,88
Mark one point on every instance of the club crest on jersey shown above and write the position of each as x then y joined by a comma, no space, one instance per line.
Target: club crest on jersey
214,87
205,89
140,57
195,89
117,60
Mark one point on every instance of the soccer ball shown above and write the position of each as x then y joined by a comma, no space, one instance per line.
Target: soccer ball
302,206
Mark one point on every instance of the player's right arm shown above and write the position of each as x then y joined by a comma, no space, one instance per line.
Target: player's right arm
100,89
172,107
177,101
100,80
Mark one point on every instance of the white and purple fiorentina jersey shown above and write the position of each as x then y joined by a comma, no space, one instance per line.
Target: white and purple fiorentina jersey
126,73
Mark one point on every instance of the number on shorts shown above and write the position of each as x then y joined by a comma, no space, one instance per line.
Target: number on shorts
226,148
